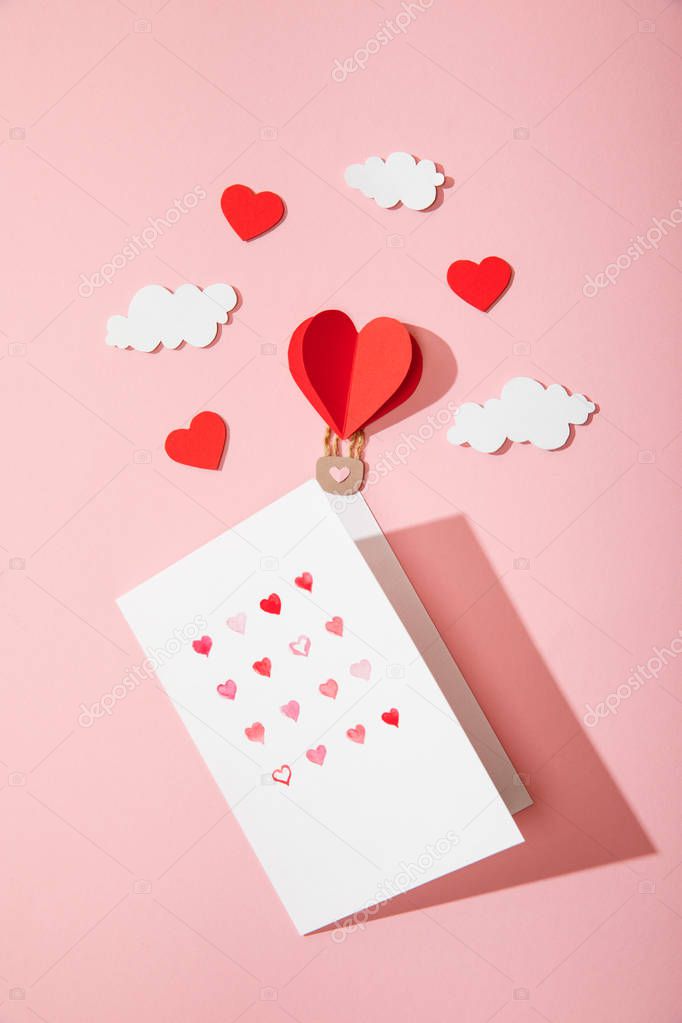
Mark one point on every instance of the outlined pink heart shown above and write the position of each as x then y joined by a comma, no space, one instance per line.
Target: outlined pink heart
317,755
291,709
237,623
304,581
361,669
300,646
391,717
227,689
271,604
335,626
263,667
282,774
357,734
255,732
329,688
339,473
203,645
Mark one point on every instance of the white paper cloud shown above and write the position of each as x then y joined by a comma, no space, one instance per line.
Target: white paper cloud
525,411
400,179
157,316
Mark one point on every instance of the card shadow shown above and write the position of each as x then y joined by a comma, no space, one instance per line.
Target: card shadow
579,818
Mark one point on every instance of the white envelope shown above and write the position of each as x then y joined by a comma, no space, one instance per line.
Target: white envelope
312,707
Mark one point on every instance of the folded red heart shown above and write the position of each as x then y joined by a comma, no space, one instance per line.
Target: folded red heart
202,445
350,377
480,284
251,213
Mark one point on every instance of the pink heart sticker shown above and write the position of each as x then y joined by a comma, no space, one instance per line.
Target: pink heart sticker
282,774
317,755
291,710
203,645
361,669
300,646
335,626
329,688
237,622
339,473
227,689
356,734
255,732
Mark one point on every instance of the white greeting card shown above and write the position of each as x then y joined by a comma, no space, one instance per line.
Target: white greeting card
320,721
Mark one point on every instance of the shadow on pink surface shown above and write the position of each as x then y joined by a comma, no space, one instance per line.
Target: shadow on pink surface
579,819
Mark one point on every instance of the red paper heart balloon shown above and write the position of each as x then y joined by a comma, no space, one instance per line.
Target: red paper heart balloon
202,445
353,378
251,213
479,284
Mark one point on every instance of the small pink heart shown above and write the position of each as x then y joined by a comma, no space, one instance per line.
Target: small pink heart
329,688
255,732
237,622
335,626
203,645
356,734
227,689
317,755
282,774
291,710
361,669
301,646
339,473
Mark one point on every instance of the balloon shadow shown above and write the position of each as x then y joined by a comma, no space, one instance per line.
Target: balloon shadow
438,376
579,818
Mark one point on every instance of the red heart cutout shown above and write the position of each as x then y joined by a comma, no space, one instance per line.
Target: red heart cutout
251,213
271,604
263,667
479,284
202,445
391,717
352,378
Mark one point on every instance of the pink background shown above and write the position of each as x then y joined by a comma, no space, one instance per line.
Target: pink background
130,889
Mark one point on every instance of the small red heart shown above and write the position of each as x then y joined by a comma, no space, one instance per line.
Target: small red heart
255,732
305,581
335,626
251,213
356,734
271,604
479,284
282,774
263,667
202,445
391,717
203,645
